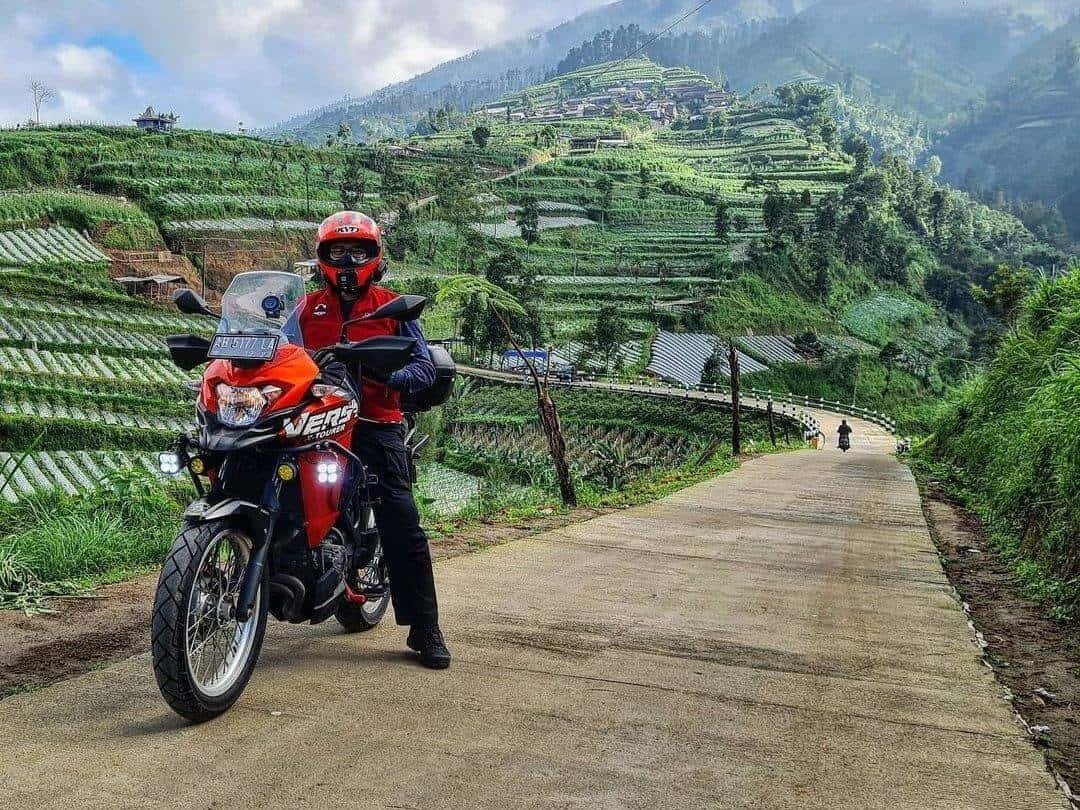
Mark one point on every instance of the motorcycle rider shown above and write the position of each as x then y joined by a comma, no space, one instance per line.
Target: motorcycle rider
845,435
349,250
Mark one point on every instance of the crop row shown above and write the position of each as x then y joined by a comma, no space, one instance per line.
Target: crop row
45,410
101,367
132,317
682,357
47,245
36,330
241,224
71,472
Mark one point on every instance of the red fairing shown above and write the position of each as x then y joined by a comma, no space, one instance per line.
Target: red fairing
331,418
320,498
291,370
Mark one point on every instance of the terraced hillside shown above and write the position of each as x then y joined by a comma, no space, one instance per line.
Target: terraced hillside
613,439
84,378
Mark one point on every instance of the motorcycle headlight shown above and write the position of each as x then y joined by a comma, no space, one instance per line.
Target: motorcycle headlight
242,406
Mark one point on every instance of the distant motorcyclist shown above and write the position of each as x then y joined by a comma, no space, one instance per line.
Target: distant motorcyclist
349,250
845,435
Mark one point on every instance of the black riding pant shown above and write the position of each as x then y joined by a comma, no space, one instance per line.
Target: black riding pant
412,583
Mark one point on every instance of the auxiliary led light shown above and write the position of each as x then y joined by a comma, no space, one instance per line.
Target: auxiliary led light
197,466
286,472
169,463
327,472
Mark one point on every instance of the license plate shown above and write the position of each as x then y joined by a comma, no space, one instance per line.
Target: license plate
243,347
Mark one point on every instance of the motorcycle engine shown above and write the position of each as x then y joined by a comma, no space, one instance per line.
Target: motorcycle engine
330,562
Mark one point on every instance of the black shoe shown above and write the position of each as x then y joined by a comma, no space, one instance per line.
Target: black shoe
428,641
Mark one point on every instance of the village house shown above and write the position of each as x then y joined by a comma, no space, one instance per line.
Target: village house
156,122
720,98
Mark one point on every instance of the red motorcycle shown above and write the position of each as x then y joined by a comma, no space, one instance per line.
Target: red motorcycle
283,524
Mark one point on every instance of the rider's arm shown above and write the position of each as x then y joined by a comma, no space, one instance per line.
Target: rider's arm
419,373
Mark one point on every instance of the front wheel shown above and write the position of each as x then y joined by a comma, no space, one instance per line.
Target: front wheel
203,657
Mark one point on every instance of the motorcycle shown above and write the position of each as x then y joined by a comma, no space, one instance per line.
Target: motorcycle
283,524
845,442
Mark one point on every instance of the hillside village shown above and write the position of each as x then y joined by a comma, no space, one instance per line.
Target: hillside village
650,97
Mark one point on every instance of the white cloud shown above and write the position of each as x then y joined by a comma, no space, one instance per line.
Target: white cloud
78,65
222,61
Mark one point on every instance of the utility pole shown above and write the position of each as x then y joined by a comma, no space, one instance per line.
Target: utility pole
733,370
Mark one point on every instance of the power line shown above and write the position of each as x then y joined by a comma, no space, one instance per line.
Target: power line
655,37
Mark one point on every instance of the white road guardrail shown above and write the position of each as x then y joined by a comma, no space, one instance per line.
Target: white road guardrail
778,397
786,405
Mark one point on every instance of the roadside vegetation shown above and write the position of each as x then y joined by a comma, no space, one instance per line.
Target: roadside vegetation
1007,443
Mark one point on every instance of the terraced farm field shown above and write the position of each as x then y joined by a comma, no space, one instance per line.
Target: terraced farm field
84,368
39,246
681,357
609,435
241,225
654,232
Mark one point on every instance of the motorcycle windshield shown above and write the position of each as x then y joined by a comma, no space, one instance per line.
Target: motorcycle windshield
262,302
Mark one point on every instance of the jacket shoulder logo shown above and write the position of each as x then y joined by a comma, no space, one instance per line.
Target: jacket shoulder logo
320,309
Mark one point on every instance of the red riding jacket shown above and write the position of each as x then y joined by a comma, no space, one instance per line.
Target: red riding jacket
320,316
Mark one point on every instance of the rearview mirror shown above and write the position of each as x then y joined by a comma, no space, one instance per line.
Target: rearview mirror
402,308
191,303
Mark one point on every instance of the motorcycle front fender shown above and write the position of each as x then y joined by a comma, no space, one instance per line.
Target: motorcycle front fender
257,517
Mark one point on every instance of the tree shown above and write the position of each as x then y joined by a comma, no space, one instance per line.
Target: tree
858,148
829,133
547,136
714,372
353,181
608,334
481,135
889,354
606,187
40,95
529,221
1008,286
344,132
722,221
460,289
645,176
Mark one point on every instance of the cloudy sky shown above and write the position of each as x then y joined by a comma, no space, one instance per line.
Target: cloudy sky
217,62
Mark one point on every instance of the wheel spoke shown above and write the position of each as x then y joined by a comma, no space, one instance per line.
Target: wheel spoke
217,644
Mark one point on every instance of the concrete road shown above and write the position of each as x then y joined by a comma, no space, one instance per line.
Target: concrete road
780,637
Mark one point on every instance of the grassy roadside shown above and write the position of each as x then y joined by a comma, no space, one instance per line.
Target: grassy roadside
53,543
527,503
1058,597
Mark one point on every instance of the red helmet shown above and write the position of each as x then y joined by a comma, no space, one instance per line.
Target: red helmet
347,272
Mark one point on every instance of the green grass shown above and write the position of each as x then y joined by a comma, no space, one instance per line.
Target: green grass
1010,441
55,543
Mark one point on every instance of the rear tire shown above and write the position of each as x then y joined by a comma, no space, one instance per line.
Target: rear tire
361,618
192,620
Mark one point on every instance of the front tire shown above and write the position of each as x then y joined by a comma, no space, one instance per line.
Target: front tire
203,657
